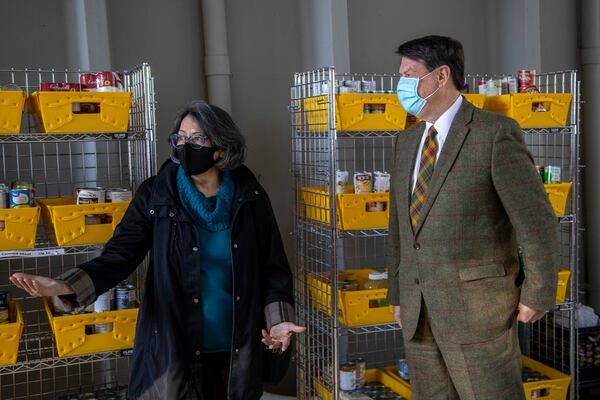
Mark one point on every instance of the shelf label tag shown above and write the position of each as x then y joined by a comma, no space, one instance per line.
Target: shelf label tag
120,135
32,253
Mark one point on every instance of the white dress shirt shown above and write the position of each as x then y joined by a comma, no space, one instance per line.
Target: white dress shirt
442,126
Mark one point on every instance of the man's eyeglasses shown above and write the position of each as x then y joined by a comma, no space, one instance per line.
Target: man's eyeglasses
197,140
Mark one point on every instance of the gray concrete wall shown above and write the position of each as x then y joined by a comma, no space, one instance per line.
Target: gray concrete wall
170,40
377,28
32,35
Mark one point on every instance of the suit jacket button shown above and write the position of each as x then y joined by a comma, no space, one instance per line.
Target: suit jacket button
417,281
417,246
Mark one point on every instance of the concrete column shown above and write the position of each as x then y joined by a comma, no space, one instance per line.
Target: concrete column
324,33
216,56
590,61
86,34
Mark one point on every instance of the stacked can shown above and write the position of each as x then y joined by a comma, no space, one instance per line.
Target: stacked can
21,194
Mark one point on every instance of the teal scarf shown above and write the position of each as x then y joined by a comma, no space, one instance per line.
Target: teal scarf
210,213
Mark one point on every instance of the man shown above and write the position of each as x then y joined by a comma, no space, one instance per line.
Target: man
465,194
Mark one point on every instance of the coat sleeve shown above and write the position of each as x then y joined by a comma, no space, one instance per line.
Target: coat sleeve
392,256
524,198
121,255
276,275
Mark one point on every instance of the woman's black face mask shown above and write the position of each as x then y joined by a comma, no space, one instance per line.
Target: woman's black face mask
196,161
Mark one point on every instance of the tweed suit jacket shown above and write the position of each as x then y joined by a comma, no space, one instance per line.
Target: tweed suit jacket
484,199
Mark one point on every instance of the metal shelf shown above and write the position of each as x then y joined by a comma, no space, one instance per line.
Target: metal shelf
369,329
72,137
38,353
45,246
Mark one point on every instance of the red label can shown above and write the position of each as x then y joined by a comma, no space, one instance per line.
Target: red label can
88,81
60,87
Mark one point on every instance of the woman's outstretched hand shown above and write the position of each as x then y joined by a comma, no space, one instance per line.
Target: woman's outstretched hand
40,286
280,336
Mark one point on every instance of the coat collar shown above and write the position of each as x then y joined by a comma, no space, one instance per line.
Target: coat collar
456,136
164,191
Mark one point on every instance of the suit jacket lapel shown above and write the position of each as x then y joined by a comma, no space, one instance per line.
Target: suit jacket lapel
456,137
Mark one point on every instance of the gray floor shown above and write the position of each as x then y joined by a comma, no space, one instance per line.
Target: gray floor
268,396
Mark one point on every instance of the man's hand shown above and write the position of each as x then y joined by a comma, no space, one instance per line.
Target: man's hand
280,335
527,315
397,315
39,286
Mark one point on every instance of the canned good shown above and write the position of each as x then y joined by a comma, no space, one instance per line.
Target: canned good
525,79
60,87
403,369
361,368
103,303
382,182
375,206
550,174
368,86
3,299
4,196
347,377
90,195
118,195
124,297
377,108
367,109
341,181
61,307
19,198
4,315
363,182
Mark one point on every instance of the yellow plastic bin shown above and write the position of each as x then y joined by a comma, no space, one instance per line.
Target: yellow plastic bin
351,209
555,388
564,275
371,375
68,220
354,306
522,107
12,103
20,227
57,111
356,112
558,194
71,337
10,334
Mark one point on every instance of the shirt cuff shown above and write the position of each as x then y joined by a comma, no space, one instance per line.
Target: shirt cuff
278,312
82,285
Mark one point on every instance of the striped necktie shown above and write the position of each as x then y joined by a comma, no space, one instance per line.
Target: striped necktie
426,166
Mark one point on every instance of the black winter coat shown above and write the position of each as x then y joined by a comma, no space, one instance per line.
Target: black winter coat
166,356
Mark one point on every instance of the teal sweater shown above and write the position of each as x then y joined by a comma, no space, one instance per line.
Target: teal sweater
212,218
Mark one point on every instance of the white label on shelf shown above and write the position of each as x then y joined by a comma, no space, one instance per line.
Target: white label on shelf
31,253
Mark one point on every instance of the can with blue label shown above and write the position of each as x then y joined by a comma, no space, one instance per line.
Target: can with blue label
19,198
403,369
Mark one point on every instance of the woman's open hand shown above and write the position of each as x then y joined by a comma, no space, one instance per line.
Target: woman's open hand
39,286
280,335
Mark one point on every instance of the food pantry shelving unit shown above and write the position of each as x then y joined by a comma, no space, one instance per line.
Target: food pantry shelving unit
324,141
57,163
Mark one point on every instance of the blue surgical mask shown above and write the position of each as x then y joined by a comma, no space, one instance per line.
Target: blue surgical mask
408,94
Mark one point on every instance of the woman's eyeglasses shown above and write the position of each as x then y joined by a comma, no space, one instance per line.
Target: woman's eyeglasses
197,140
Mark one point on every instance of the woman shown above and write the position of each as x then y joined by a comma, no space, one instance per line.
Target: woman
218,282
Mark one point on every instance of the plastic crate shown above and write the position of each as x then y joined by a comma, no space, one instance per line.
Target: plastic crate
10,334
354,306
558,194
521,107
351,209
478,100
563,283
68,220
555,388
351,115
71,337
55,111
20,227
371,375
12,103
